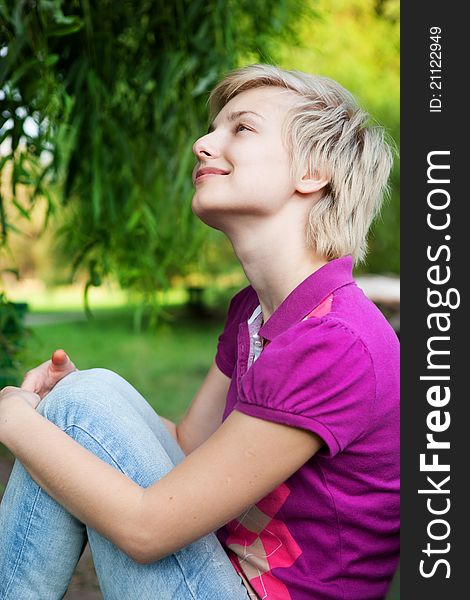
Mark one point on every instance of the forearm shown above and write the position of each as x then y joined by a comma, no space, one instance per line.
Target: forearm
172,428
183,435
204,415
180,434
93,491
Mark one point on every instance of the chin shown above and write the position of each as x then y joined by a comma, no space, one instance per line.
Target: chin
207,214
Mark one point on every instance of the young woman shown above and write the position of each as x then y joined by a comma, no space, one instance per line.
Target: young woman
281,481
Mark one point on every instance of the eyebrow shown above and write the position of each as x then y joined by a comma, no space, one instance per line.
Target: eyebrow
233,116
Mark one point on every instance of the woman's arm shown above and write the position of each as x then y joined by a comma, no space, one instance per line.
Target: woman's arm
238,465
242,462
204,415
68,472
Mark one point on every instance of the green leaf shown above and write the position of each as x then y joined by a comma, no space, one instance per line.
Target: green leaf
3,222
72,27
22,210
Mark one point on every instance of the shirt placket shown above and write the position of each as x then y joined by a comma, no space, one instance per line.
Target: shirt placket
243,352
256,342
250,345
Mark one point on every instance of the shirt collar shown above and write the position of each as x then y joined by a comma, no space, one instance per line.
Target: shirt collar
307,295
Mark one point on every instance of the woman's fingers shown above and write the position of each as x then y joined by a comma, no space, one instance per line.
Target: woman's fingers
43,378
61,363
30,397
60,359
32,379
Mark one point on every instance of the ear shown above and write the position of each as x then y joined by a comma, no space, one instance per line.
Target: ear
309,182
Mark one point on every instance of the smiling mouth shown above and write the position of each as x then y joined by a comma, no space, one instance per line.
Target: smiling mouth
204,176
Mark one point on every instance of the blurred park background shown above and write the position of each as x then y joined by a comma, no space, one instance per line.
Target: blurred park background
100,103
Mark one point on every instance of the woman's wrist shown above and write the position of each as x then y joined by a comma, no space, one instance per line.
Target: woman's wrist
7,408
14,408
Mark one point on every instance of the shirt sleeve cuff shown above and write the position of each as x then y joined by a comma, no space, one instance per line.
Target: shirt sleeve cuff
292,419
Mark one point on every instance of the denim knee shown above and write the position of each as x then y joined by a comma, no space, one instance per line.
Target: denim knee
101,418
87,391
103,375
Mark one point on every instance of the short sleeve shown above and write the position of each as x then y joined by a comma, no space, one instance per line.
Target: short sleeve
240,308
317,376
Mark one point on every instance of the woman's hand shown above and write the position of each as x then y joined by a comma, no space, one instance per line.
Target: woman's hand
16,394
43,378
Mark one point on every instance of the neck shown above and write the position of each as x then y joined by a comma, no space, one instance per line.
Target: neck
275,258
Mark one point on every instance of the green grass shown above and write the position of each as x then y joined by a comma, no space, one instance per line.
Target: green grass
394,591
166,366
62,298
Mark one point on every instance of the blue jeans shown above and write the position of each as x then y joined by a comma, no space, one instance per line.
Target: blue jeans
41,543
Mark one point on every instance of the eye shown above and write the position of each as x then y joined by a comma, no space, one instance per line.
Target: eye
241,127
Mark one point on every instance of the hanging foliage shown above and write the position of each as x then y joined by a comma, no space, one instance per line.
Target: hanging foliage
100,104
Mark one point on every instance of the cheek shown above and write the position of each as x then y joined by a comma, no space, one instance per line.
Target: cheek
272,173
267,160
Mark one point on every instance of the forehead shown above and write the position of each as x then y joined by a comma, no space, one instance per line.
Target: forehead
268,101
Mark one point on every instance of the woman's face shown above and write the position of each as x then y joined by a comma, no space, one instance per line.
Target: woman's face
243,166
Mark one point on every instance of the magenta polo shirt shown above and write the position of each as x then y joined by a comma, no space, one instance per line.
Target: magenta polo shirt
326,361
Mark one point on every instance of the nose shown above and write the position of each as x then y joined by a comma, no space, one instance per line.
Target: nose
205,147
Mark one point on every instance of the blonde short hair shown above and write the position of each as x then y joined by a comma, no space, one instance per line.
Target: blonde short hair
328,132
